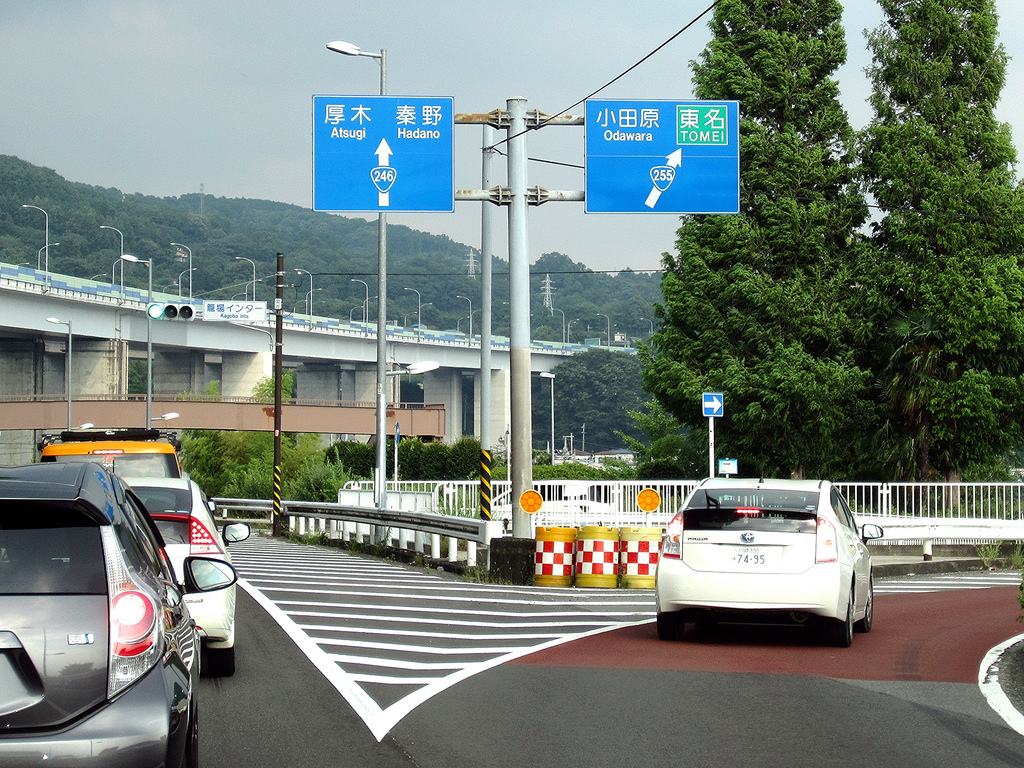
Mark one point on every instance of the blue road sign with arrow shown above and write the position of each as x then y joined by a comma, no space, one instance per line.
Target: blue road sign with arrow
383,153
714,404
662,156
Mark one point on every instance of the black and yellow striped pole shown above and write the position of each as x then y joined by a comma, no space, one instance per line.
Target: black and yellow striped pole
276,521
485,484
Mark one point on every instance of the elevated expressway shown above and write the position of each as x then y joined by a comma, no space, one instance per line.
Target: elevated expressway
333,362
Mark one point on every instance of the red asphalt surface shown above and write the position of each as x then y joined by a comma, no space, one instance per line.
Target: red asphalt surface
933,636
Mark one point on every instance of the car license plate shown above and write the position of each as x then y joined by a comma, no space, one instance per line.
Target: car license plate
750,557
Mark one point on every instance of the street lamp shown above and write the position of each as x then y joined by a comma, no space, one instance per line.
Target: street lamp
348,49
549,375
651,322
609,327
46,247
309,295
120,253
366,301
470,314
167,416
149,338
183,273
39,253
419,309
189,250
242,258
67,364
556,309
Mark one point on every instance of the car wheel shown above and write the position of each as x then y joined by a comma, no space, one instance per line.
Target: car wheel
839,632
220,662
864,625
671,625
192,742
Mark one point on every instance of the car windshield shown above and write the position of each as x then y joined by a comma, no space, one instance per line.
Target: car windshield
61,554
752,509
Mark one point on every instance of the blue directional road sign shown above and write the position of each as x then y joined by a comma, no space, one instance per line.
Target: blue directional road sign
714,404
383,153
662,156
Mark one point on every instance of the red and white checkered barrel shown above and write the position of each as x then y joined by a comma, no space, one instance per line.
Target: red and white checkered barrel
553,563
639,549
597,556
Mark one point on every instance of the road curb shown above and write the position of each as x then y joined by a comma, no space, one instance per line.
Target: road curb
884,570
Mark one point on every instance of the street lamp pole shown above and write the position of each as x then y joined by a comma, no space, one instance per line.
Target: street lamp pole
309,295
46,247
119,255
419,308
253,263
189,251
348,49
67,364
609,327
556,309
149,339
470,314
366,301
549,375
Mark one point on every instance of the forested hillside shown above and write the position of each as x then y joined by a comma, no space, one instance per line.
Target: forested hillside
336,250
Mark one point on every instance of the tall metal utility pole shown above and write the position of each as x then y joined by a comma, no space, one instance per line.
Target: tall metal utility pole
521,464
486,248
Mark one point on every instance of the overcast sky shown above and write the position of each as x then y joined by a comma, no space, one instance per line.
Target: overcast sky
162,96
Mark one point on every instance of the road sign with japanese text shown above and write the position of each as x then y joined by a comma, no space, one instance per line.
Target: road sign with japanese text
662,156
383,153
234,311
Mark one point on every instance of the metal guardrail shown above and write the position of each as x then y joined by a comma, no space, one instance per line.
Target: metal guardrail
322,517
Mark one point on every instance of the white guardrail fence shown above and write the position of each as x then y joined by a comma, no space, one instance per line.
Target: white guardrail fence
426,513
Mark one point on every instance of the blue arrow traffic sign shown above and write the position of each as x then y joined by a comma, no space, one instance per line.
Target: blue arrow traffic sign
383,153
714,404
662,156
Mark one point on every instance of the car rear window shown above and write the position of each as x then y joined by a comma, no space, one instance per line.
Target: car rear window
752,509
130,464
62,554
164,499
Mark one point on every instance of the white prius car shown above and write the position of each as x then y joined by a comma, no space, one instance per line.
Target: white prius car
766,550
183,514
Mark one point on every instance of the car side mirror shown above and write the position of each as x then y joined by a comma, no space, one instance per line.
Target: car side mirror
871,531
235,532
204,574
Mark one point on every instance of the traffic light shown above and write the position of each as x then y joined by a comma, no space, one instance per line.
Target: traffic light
171,311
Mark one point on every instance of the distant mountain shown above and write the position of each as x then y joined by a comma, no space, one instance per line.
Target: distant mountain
336,250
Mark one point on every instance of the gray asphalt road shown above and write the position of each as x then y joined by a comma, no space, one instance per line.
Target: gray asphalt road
279,711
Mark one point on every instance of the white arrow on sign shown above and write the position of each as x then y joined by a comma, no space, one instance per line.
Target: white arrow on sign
663,176
713,404
383,175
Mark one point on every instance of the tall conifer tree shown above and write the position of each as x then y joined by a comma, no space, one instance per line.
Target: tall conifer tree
949,241
755,304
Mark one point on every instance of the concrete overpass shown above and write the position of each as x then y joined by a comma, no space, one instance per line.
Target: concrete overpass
333,361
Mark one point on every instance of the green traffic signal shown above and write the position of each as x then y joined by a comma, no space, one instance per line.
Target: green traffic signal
161,311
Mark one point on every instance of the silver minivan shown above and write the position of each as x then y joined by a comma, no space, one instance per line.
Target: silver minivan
98,653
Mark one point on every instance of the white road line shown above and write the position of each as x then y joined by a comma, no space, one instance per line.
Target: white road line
988,681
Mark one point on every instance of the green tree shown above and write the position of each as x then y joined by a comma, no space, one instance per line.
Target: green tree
947,273
594,390
757,305
672,451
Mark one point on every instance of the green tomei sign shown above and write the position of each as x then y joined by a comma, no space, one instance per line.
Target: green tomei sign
699,124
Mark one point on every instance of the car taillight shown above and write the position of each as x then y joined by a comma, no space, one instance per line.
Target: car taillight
827,550
132,623
136,631
673,545
203,542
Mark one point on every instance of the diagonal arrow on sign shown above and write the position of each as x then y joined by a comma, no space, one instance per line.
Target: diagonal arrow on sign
663,176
